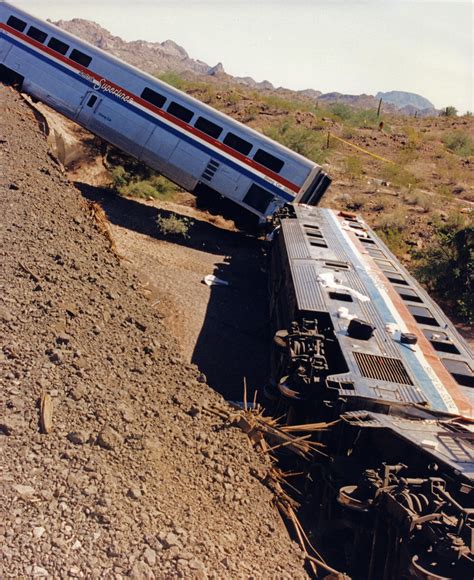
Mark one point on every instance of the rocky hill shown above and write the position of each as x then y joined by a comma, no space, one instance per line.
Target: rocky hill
403,99
162,57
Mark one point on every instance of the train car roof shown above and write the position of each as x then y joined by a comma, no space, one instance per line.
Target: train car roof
259,137
340,271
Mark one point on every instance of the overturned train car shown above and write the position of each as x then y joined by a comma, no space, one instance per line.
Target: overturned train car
358,342
200,149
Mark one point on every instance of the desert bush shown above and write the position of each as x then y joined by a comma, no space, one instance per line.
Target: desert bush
140,189
449,112
304,141
398,175
356,202
119,177
460,143
353,116
420,199
446,267
173,79
390,227
341,110
414,138
354,167
174,225
157,187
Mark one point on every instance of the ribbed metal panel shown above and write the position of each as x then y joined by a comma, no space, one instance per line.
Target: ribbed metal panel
308,291
296,244
382,368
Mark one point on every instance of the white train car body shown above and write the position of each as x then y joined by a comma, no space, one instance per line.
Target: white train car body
189,142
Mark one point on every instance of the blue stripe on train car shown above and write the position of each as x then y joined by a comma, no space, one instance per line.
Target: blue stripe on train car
215,154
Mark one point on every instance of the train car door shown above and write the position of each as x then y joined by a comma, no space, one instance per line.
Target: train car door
4,50
89,104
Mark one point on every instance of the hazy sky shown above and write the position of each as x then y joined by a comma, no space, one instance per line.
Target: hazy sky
349,46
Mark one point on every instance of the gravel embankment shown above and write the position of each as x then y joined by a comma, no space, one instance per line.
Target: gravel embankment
136,478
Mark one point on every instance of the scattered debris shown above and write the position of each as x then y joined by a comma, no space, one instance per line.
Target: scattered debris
46,413
211,280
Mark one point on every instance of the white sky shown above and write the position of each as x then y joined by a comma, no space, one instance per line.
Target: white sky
349,46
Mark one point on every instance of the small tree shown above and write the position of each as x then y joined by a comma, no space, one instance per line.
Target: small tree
450,112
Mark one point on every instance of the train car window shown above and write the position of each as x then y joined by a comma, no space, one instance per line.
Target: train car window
268,160
314,234
460,371
153,97
337,265
80,57
318,243
58,45
440,341
343,296
36,34
208,127
422,315
258,198
395,278
16,23
180,112
238,144
408,294
91,101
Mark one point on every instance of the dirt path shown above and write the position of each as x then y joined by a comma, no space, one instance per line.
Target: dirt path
136,478
223,330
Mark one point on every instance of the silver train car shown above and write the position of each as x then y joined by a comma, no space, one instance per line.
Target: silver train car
192,144
360,346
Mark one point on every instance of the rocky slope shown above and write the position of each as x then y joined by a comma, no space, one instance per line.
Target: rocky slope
136,477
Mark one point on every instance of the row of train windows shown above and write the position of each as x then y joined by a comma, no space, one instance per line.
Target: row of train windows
54,43
184,114
206,126
441,341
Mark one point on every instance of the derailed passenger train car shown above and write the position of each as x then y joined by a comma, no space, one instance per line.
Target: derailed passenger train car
202,150
358,343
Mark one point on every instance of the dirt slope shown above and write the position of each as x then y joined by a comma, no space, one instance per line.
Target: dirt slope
136,477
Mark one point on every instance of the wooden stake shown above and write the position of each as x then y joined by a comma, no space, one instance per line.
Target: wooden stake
46,414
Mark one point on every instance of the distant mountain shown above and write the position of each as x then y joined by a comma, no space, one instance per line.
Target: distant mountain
403,99
161,57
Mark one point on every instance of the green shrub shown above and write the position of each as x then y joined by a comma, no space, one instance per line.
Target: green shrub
390,228
460,143
398,175
354,167
119,177
446,267
140,189
173,79
174,225
341,110
304,141
449,112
